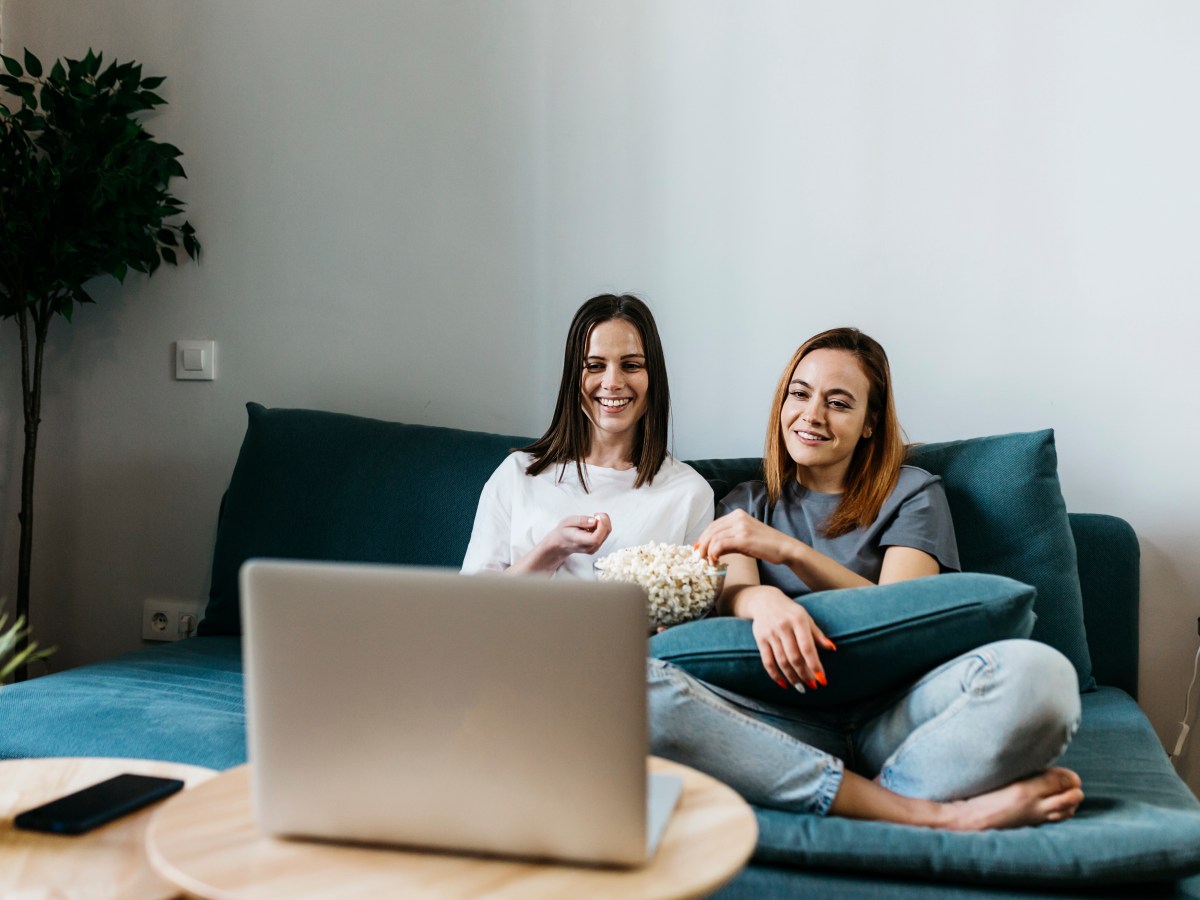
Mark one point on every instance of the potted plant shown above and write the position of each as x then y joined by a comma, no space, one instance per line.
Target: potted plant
83,193
13,656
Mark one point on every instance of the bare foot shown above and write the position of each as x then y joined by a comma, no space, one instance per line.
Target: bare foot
1052,796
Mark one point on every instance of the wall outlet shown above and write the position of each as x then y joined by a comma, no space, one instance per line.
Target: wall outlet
170,620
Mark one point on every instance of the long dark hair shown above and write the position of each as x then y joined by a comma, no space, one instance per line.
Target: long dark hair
875,465
569,437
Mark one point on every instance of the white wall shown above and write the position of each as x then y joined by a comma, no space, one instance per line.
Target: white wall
401,204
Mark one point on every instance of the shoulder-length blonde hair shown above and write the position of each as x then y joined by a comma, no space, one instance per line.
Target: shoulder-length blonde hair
875,465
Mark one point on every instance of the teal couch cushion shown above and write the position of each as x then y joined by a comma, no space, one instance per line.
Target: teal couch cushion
1011,519
1138,823
180,702
321,485
886,636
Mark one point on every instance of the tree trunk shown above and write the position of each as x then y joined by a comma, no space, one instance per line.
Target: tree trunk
31,393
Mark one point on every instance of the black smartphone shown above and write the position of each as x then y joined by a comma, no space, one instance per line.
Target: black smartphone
95,805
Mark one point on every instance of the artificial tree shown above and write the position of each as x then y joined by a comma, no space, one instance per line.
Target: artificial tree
83,193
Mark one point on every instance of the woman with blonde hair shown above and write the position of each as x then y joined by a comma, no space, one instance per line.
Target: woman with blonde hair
968,746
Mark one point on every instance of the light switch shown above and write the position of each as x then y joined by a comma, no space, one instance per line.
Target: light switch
195,360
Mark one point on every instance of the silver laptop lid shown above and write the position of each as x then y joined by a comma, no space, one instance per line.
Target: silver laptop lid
491,714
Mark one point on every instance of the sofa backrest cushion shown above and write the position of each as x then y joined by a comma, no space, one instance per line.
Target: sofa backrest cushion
1010,519
321,485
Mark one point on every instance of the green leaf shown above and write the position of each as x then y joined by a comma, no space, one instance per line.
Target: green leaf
150,84
9,82
167,236
33,65
57,74
8,641
169,255
14,67
26,92
108,77
151,99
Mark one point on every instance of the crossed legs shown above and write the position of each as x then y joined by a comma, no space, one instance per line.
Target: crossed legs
966,748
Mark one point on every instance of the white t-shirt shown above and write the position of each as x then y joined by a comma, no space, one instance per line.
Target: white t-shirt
516,510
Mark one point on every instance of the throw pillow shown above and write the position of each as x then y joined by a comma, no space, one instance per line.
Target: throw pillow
886,637
1010,519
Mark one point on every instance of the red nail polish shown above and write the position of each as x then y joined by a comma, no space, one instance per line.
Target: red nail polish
821,679
812,684
781,682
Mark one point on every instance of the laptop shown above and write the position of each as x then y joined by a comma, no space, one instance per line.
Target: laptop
484,714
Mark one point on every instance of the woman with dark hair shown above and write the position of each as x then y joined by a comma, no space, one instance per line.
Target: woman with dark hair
968,746
600,478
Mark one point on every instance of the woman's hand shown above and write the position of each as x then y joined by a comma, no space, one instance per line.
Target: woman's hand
574,534
739,532
581,534
786,635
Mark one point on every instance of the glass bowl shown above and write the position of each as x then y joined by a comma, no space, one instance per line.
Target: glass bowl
680,586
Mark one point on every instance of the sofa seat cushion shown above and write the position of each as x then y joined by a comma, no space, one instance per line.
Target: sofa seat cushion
180,702
886,636
1138,823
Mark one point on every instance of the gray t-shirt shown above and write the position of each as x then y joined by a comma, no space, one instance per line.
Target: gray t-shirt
916,514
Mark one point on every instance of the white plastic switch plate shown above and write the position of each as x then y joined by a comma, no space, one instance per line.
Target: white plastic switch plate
195,360
170,620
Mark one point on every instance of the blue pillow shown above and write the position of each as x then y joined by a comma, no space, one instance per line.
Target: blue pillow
886,636
1011,519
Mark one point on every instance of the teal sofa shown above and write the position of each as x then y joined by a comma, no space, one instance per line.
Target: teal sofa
318,485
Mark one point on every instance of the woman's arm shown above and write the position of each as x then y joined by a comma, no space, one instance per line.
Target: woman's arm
786,636
740,533
491,544
574,534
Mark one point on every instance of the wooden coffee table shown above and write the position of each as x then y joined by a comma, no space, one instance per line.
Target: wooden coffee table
107,862
206,841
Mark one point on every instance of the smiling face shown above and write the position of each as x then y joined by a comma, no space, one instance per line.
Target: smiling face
615,382
824,416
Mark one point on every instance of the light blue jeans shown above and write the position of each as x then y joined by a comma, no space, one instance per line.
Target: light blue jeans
988,718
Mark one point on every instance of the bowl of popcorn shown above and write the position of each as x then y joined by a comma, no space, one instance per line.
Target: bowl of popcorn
680,584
